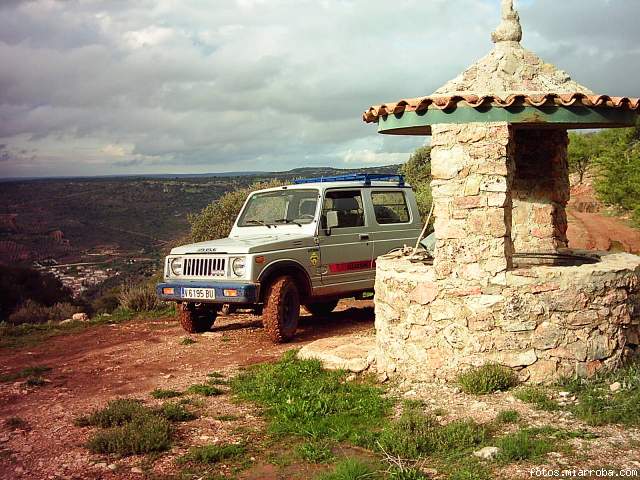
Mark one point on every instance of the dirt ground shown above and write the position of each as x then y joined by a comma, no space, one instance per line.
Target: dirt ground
130,360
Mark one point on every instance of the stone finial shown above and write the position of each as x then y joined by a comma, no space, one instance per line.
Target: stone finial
510,29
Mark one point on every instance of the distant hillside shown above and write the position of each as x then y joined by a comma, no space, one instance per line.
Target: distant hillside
68,219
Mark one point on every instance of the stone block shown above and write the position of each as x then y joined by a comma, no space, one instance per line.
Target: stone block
424,293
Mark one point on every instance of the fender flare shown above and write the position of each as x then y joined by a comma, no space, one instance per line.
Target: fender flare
286,267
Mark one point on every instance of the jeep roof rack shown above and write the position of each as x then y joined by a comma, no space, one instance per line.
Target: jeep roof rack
354,177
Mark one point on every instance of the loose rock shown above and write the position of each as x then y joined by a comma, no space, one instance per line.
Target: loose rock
487,453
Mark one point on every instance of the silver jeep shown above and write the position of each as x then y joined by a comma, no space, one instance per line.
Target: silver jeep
311,244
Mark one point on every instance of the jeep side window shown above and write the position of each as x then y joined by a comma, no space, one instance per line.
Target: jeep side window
348,204
390,207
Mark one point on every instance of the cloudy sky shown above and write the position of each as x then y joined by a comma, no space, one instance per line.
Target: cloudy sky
179,86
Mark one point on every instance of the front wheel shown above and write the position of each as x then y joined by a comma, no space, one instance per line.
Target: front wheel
321,309
281,310
196,318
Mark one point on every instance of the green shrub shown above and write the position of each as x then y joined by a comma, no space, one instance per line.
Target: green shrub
537,397
523,445
210,454
139,297
187,341
315,451
160,393
350,469
204,390
406,474
415,435
176,412
116,413
145,434
215,221
301,398
417,172
31,312
487,379
508,416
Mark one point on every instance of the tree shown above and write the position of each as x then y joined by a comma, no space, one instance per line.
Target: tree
216,220
417,171
583,151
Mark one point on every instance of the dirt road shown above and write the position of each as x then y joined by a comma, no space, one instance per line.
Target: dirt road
130,360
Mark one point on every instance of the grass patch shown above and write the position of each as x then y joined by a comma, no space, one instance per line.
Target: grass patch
537,397
406,474
415,435
528,444
487,379
35,371
149,433
508,416
160,393
210,454
599,406
468,469
215,375
350,469
204,390
187,341
176,412
315,451
301,398
16,423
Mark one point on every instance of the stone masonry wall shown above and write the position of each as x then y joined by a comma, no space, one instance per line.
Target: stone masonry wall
546,322
540,191
472,168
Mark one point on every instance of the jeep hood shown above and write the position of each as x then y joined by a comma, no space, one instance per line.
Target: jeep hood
253,244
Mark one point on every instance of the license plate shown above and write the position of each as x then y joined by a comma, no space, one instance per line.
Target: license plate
199,293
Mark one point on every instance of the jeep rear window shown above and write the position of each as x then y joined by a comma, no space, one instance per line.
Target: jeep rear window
280,208
390,207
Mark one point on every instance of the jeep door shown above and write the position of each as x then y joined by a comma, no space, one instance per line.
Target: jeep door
346,251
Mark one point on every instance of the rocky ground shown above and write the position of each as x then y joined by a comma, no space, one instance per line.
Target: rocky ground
131,360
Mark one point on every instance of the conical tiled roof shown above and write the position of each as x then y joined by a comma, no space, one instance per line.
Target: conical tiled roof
508,75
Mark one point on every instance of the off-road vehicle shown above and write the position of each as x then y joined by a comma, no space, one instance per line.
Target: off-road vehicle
310,243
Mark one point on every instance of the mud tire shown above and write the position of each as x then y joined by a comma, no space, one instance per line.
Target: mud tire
196,319
321,309
281,310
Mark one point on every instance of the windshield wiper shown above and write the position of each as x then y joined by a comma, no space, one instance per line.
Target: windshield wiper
258,222
287,221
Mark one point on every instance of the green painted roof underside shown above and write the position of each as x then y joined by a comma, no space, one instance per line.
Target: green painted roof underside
578,117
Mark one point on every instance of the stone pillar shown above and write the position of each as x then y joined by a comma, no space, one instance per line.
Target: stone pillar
472,168
540,191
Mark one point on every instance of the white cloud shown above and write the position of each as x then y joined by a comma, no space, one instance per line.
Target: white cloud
107,86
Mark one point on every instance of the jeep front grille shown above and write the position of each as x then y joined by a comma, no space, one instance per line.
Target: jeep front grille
204,267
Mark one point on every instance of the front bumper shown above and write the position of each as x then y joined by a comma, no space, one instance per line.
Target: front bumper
246,293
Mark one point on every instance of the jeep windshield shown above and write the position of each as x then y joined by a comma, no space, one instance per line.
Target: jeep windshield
282,207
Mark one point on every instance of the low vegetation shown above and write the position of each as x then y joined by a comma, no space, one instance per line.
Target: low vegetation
140,297
210,454
598,404
538,397
28,372
318,451
487,379
162,393
508,416
301,398
129,427
205,390
351,469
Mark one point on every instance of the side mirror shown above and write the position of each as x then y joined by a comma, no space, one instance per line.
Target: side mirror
332,221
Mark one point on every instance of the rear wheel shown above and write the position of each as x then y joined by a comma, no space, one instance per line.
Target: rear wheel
196,318
321,309
281,310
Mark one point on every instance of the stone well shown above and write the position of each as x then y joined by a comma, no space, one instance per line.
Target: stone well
496,290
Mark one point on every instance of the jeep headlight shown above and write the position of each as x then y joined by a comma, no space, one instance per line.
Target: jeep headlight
238,265
175,265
